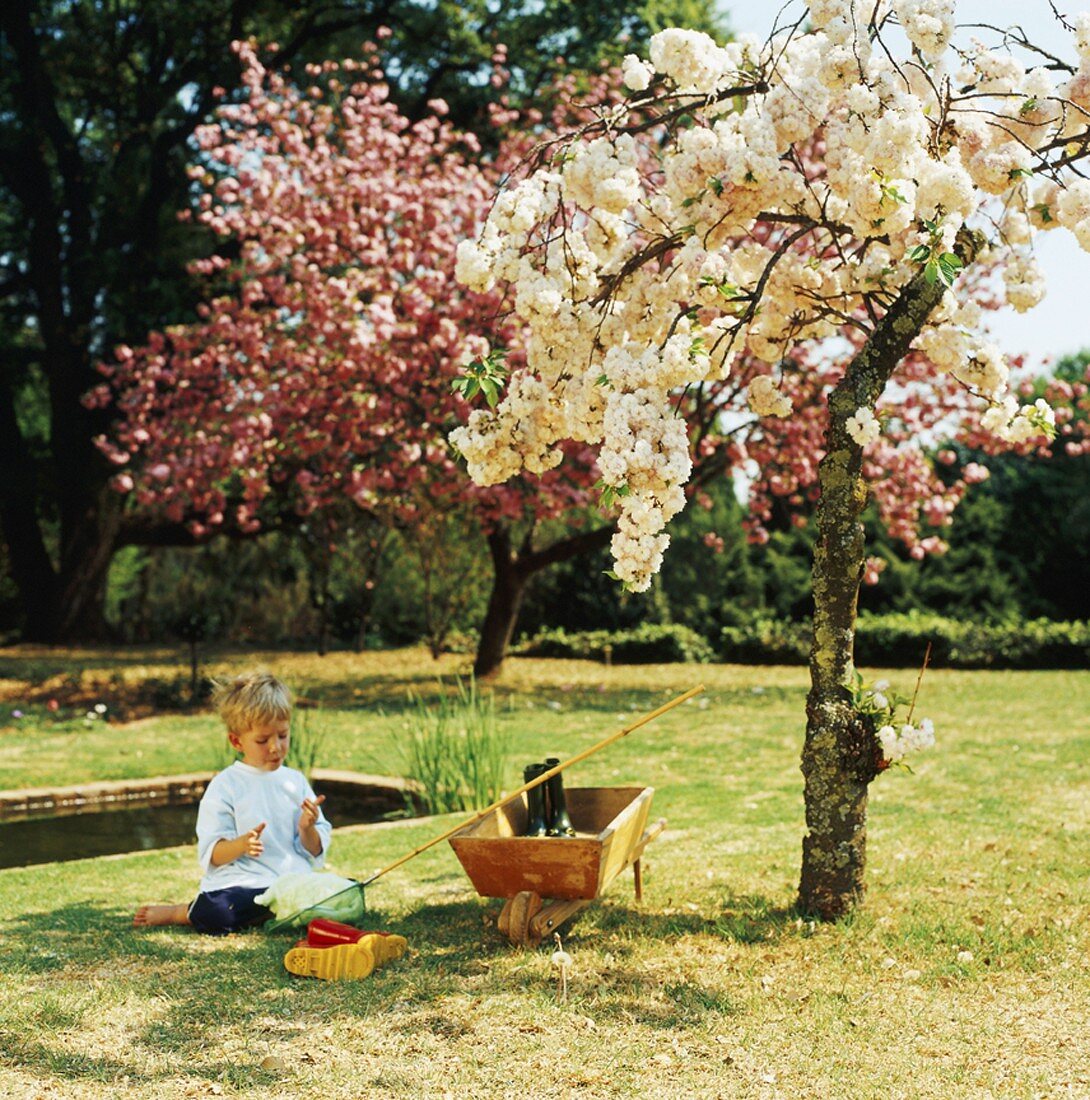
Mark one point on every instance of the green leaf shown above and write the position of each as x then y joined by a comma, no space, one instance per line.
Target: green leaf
716,184
919,254
468,387
931,271
486,376
949,267
609,573
491,391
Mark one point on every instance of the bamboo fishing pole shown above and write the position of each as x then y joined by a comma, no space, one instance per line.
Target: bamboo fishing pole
539,779
536,781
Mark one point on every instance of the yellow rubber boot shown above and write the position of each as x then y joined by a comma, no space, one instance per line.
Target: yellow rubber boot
345,960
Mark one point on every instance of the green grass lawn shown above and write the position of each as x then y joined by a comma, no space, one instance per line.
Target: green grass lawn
965,975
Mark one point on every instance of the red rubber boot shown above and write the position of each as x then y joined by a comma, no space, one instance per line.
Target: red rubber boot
324,932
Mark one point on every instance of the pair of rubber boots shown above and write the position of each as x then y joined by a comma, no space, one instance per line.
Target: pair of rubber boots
546,806
334,951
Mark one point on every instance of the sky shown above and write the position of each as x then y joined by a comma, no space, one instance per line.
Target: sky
1061,323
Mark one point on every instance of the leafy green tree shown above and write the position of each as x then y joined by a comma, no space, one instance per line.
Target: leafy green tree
445,49
98,105
1019,548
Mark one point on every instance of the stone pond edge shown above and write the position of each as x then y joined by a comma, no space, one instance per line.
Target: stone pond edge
168,789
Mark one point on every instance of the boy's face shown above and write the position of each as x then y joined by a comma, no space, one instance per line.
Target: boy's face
263,746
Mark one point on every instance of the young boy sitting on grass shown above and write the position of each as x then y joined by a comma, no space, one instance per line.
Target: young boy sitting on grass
257,820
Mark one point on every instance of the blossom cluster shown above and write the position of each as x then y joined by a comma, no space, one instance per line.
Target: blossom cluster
318,371
814,180
896,739
900,741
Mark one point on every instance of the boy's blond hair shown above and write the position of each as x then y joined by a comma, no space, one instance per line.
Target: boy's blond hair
250,699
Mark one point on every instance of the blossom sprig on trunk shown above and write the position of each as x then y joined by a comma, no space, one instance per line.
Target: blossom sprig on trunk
896,739
760,198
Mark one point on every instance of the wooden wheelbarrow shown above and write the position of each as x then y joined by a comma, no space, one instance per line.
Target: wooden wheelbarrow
547,880
568,869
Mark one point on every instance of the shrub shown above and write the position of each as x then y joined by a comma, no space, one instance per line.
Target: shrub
899,640
307,740
1036,643
766,641
652,643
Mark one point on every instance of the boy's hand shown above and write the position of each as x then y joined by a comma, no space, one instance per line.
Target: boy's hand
309,817
247,844
253,842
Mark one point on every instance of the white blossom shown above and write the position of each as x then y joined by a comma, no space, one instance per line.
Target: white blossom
765,399
913,154
636,73
864,427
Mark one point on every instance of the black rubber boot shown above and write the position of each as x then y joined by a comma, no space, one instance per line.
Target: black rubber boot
559,823
535,802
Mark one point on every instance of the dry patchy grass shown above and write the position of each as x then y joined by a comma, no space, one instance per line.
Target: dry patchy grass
964,975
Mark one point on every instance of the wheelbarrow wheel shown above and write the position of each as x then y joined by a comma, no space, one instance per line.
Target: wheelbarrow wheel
516,915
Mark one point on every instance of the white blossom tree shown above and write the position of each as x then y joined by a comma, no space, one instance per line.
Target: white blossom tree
757,199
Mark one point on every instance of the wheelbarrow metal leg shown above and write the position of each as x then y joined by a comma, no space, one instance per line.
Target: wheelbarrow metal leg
648,835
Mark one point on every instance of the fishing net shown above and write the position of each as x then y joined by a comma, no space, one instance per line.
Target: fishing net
296,899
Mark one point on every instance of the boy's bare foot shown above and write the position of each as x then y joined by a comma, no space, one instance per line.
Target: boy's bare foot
148,915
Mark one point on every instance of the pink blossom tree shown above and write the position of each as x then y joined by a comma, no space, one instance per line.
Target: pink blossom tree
320,367
646,267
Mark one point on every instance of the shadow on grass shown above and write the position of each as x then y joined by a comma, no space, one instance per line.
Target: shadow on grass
744,919
79,961
73,935
636,701
82,964
71,1065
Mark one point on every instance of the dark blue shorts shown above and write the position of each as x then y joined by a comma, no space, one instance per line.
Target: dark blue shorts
221,911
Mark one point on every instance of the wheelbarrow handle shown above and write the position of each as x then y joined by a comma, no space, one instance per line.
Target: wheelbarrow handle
539,779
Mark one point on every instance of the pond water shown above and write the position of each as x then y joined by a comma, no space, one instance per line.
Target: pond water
104,831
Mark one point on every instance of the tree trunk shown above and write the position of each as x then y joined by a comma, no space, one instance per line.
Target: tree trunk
61,601
505,599
838,759
31,566
85,566
194,671
511,570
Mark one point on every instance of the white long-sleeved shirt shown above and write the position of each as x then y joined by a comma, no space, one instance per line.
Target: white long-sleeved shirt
239,799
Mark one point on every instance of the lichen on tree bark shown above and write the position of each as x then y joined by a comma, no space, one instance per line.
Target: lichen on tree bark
836,779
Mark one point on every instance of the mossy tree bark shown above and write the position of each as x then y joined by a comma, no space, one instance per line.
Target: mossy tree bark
839,755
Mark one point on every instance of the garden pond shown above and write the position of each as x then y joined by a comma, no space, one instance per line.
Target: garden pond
110,828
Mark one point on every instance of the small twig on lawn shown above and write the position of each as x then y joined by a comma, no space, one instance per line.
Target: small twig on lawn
923,669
